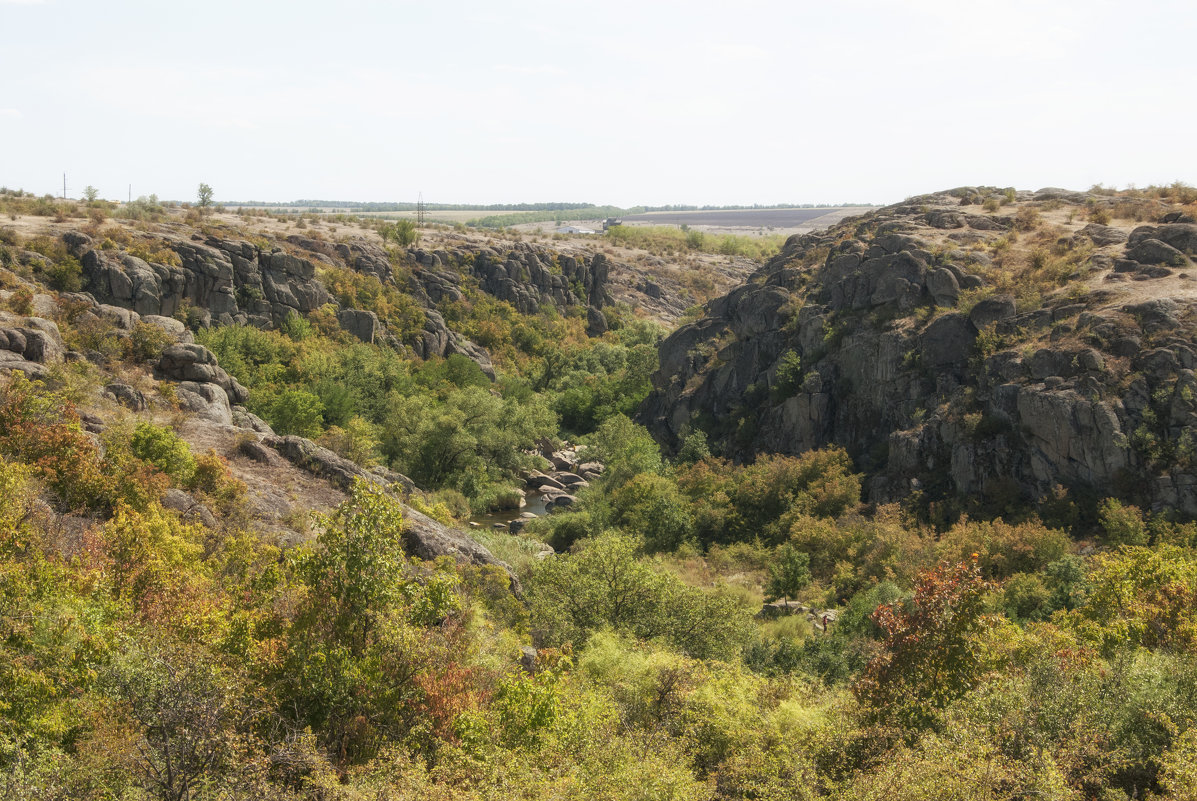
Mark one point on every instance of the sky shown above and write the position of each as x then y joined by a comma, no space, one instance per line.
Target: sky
614,102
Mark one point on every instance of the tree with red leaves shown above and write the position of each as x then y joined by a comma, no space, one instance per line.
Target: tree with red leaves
931,645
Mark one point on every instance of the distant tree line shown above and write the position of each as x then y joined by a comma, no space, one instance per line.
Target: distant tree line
354,205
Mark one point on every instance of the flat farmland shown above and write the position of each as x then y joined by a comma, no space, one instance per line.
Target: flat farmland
734,218
741,222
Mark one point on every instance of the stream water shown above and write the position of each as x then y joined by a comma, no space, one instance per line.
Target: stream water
535,505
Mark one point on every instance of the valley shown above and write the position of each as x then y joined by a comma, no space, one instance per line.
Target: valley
900,504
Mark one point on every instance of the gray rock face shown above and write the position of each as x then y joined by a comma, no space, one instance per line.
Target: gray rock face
28,344
1153,251
77,242
337,469
437,340
947,342
596,322
366,257
231,279
362,324
127,396
195,363
206,401
913,400
527,276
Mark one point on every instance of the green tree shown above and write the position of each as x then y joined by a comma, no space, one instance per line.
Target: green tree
602,584
297,411
1140,597
90,193
788,377
1123,525
468,440
626,449
358,641
204,196
187,710
359,566
789,573
406,233
651,506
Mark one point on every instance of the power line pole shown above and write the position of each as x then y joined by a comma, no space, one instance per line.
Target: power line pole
420,211
64,186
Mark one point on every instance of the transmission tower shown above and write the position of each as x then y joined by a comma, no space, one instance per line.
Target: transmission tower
420,211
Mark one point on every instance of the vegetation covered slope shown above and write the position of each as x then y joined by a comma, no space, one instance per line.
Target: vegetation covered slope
174,624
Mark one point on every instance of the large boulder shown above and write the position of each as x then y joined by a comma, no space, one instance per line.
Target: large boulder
359,323
1102,235
127,396
243,418
992,310
172,327
12,362
943,286
948,341
30,339
206,401
427,539
191,362
320,461
1153,251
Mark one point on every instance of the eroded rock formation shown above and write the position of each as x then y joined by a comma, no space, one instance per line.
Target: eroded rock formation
899,336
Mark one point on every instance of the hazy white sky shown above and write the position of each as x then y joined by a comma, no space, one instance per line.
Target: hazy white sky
617,102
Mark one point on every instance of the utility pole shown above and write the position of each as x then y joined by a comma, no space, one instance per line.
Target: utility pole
64,186
420,211
130,200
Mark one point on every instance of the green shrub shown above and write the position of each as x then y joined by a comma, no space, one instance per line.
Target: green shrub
650,506
788,378
296,327
146,342
1123,525
162,448
297,411
21,301
602,584
64,275
495,498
